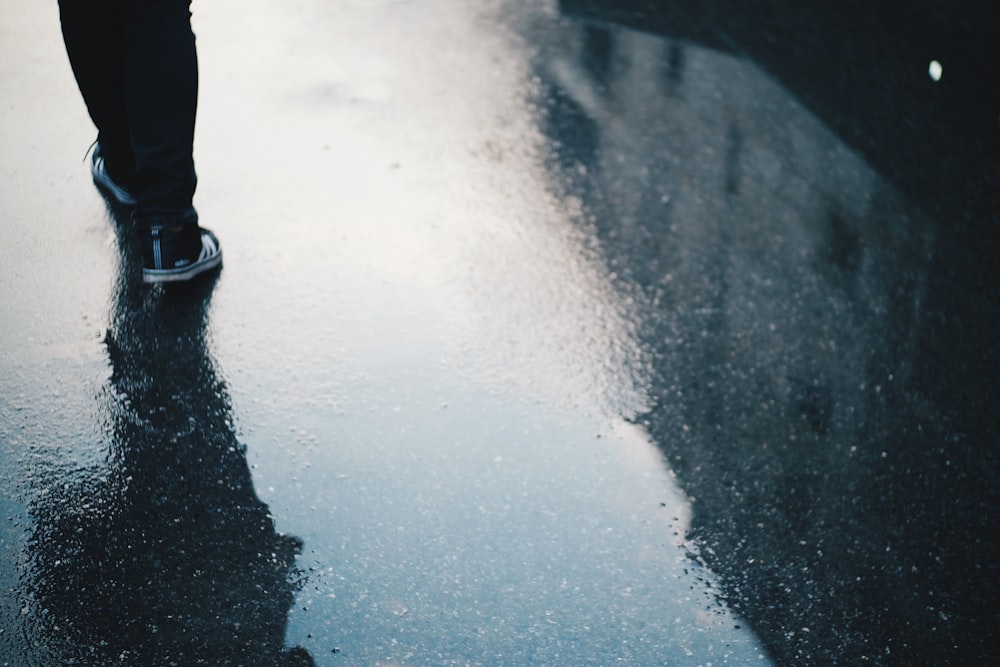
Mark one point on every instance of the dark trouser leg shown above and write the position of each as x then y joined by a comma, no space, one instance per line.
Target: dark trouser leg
137,68
161,76
95,42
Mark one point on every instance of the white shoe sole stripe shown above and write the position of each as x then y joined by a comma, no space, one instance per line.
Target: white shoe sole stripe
179,275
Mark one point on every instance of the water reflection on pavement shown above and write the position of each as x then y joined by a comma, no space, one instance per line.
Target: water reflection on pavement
412,350
550,342
163,554
815,281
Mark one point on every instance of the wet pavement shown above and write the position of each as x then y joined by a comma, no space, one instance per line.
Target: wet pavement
585,333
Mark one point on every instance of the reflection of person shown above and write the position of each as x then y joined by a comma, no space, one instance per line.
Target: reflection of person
136,66
163,554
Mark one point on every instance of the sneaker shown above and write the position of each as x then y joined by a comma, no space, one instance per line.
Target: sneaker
177,253
105,183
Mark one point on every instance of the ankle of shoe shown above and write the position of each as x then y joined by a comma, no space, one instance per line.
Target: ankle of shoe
173,221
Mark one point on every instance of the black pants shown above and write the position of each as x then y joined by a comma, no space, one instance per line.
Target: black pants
136,65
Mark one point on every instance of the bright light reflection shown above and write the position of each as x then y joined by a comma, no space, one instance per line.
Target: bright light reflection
935,70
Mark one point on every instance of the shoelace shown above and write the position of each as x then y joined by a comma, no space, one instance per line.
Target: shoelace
89,149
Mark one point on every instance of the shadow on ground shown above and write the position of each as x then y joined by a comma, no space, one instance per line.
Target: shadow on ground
808,226
165,555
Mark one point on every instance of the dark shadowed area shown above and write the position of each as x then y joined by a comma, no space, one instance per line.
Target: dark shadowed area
165,554
810,222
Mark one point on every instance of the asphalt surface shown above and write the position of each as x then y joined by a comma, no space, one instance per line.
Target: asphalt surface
546,335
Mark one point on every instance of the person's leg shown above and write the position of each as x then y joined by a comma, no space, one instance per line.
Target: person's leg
161,83
161,100
137,68
95,43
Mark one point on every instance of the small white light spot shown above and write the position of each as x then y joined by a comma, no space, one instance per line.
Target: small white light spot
935,70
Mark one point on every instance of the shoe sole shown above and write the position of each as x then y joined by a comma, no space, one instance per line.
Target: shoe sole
151,276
